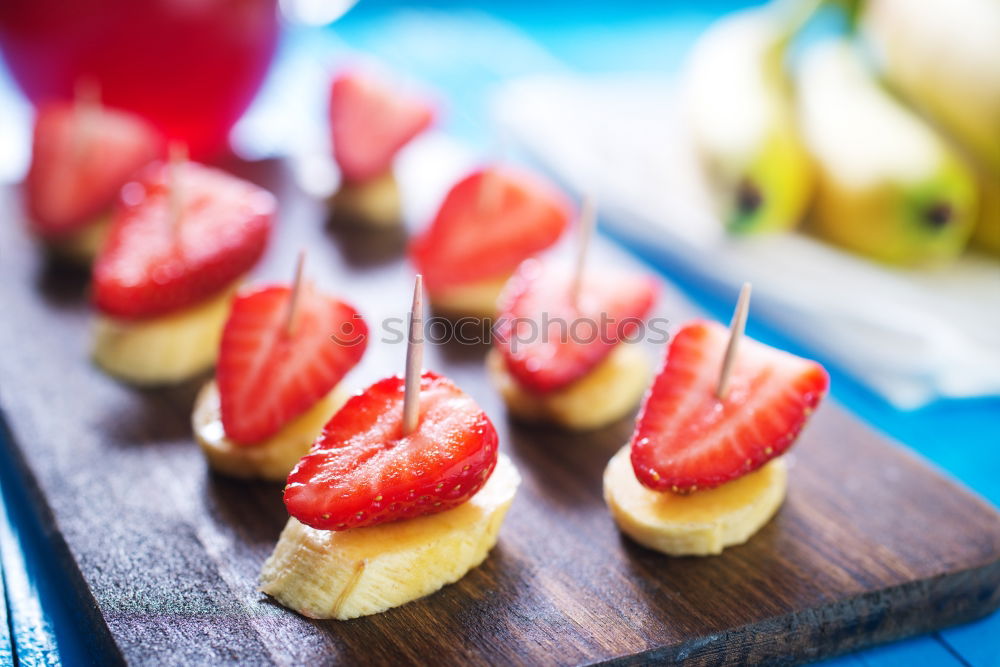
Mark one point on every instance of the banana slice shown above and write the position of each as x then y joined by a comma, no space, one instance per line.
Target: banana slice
82,246
163,350
472,300
271,459
375,203
351,573
698,524
606,394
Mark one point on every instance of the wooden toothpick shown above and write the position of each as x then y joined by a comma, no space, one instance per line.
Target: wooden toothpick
178,156
736,327
586,225
414,360
293,302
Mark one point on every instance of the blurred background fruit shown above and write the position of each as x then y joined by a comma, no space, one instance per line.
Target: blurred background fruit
191,67
888,185
987,232
943,56
739,108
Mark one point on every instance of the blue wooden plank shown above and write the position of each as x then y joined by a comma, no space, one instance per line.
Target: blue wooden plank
926,651
6,647
33,636
978,643
52,617
849,660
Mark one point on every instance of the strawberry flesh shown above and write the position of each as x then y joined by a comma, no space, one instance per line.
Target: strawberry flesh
267,374
487,225
688,439
578,335
370,122
80,158
155,262
363,471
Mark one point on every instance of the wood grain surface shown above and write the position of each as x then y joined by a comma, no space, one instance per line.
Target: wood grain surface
871,545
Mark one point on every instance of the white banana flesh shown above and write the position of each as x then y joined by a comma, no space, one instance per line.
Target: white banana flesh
271,459
478,299
606,394
373,204
362,571
163,350
698,524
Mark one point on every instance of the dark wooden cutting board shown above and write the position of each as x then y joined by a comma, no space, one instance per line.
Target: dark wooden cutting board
871,545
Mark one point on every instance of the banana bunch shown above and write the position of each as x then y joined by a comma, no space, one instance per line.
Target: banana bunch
943,56
889,186
875,175
738,106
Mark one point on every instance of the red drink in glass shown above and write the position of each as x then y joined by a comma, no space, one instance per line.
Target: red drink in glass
189,66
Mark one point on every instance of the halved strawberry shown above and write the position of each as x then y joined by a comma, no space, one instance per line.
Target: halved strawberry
370,121
548,340
156,261
489,223
268,374
80,158
363,471
687,439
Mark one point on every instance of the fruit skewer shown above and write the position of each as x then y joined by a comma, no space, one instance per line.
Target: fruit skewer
704,467
182,238
489,222
370,122
403,493
549,368
279,377
82,153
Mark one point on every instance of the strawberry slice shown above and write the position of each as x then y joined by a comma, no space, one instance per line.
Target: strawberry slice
370,121
81,156
687,439
268,374
363,471
165,253
547,340
489,222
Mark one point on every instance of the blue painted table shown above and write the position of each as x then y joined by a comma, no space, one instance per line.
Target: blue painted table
506,40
